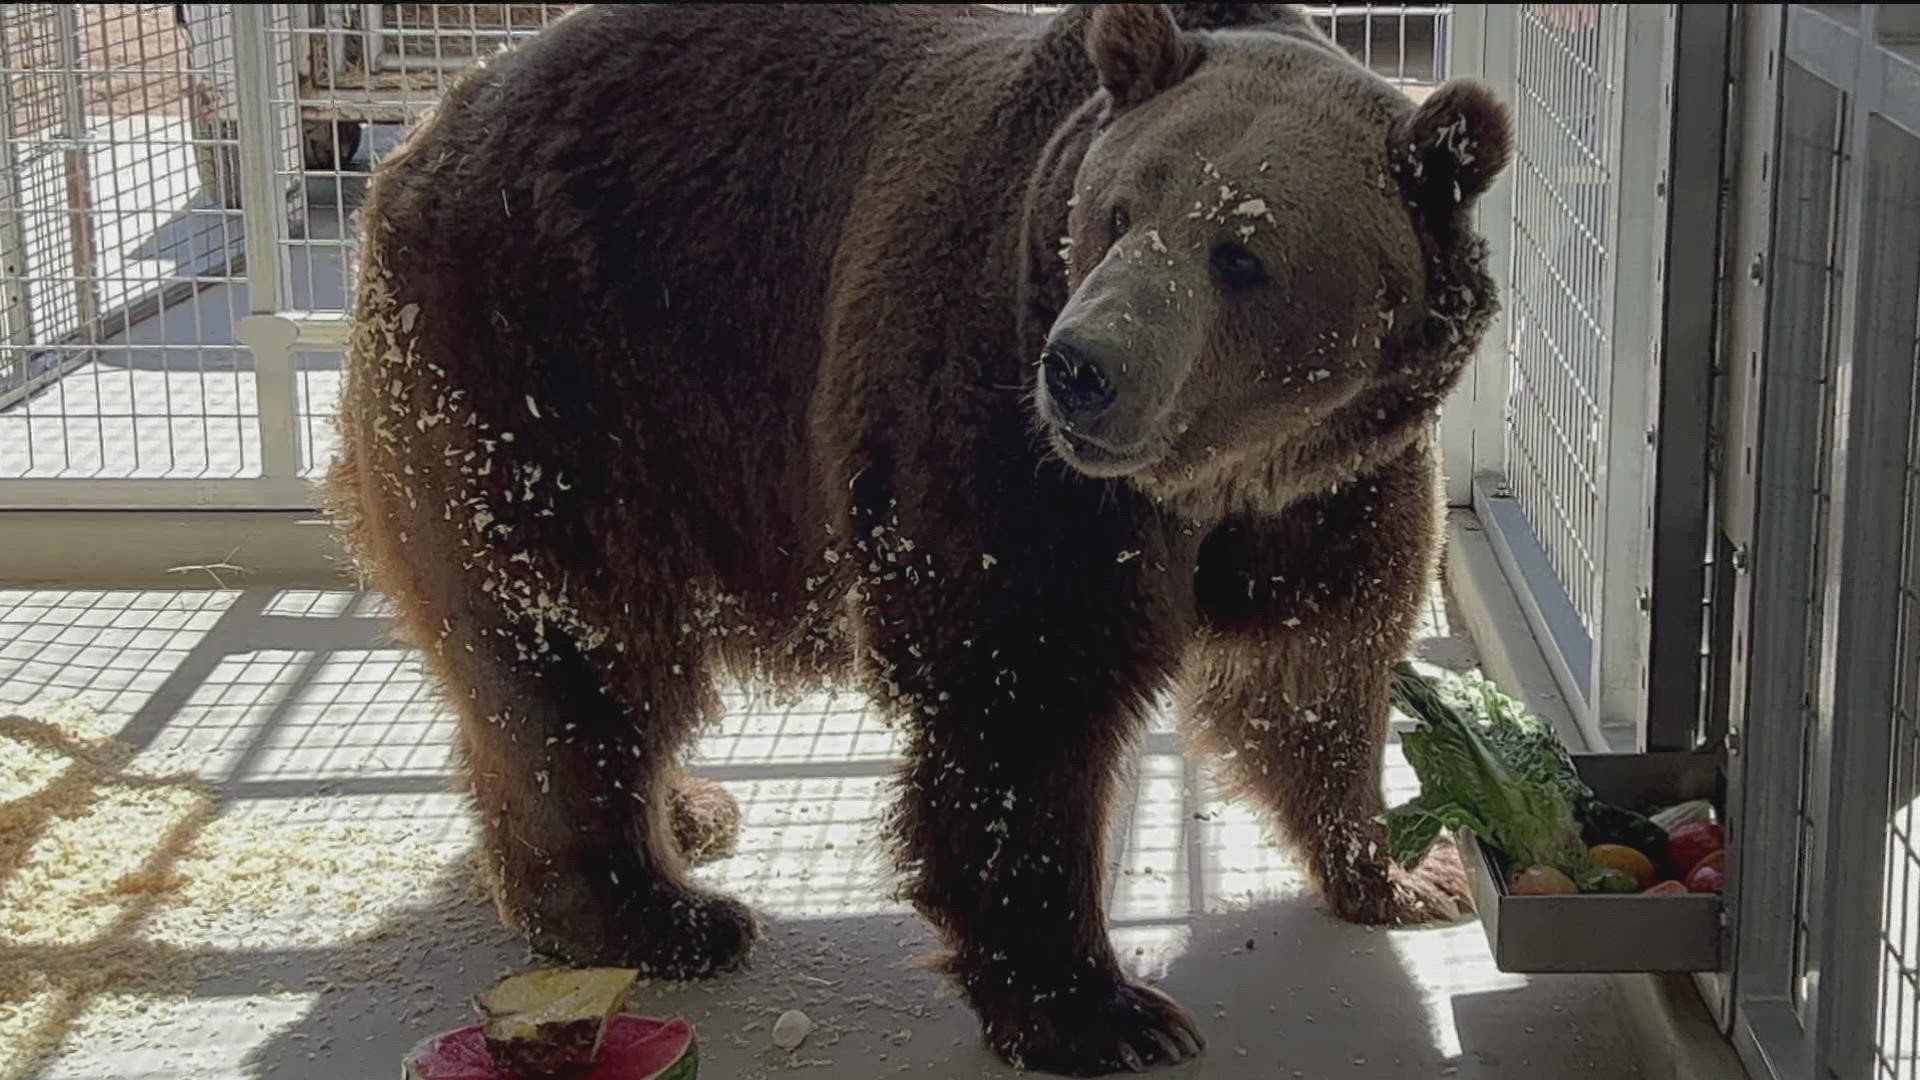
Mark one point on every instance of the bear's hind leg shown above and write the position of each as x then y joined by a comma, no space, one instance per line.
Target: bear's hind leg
582,813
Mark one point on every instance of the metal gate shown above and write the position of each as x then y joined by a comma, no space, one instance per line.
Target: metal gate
1820,514
1694,440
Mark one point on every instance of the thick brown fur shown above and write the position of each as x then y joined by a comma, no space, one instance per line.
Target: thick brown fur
703,341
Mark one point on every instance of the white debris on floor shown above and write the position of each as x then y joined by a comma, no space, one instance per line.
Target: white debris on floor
230,847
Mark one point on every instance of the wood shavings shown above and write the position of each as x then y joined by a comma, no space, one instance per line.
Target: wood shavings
131,884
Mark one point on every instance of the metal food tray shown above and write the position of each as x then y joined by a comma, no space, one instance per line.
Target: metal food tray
1593,933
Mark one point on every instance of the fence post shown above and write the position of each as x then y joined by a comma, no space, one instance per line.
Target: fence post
1460,417
16,298
263,194
1764,561
1684,316
1473,425
1632,202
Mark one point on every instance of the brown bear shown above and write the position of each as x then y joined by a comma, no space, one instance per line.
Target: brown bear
1015,370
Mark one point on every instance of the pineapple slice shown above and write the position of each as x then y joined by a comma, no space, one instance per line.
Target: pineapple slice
552,1020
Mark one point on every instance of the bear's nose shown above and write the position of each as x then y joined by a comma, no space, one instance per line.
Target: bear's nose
1076,382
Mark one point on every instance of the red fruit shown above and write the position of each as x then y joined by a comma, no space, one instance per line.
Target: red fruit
1707,879
1688,844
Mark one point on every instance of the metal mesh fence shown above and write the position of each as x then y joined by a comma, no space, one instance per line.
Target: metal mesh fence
1892,174
1566,71
120,283
122,238
366,73
1804,290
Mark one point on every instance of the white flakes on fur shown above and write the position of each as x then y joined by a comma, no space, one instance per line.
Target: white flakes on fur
515,580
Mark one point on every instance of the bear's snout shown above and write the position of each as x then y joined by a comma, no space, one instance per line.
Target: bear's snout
1077,383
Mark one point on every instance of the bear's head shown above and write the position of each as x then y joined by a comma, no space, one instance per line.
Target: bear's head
1271,276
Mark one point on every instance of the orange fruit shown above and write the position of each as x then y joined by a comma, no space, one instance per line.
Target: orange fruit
1625,859
1667,888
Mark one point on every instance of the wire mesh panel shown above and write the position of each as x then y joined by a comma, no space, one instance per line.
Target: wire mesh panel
119,293
123,211
1557,296
367,71
365,74
1892,328
1405,43
1805,291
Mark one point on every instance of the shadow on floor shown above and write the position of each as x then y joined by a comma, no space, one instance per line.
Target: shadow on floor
1313,998
285,724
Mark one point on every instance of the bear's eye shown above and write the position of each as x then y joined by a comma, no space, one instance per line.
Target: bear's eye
1238,268
1122,221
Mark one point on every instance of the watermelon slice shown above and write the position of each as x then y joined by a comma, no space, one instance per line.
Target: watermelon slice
632,1048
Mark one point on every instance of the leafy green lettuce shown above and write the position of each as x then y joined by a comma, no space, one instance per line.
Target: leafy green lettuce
1486,767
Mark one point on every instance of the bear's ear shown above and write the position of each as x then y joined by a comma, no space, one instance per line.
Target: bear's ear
1449,150
1138,50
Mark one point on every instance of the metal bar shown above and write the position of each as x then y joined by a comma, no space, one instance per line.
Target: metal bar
1491,368
260,165
16,299
261,493
373,19
79,174
1766,497
1875,380
1458,417
1685,306
263,203
327,331
271,340
1617,699
1749,63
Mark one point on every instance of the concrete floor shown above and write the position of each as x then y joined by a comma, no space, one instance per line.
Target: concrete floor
229,848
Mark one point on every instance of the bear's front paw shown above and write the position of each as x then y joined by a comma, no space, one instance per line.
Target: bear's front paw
1383,894
1436,890
1114,1028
